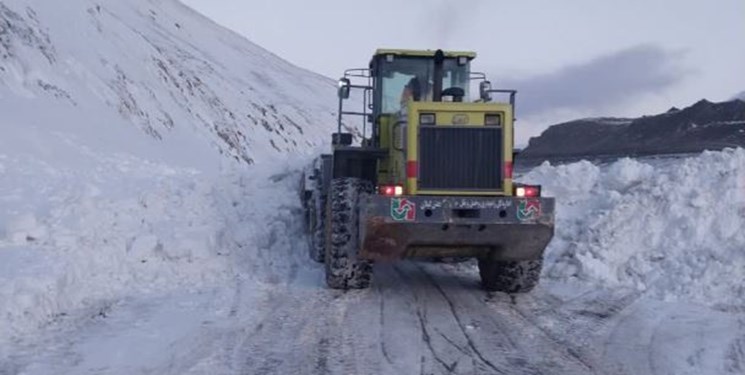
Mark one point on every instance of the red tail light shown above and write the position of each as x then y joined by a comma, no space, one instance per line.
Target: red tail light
527,191
391,190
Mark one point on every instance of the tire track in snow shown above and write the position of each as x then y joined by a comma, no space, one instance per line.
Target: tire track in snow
423,326
428,298
595,314
277,342
573,354
383,348
530,349
400,334
462,327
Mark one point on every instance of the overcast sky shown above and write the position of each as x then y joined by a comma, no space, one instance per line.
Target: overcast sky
569,59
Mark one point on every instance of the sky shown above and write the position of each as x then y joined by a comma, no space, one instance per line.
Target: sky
568,59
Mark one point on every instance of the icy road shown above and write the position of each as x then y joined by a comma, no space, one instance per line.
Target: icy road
418,319
659,294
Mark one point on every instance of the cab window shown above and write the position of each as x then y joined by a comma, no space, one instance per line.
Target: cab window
398,74
413,77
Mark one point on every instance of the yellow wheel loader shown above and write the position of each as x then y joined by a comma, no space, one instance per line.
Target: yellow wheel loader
431,176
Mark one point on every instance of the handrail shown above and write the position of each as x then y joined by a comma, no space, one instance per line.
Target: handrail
512,93
366,93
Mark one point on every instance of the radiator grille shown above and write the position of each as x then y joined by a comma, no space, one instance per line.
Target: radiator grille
460,158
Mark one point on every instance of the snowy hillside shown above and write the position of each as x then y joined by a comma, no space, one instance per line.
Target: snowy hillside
121,122
159,67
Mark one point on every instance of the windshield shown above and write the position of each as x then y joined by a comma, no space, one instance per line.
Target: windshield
412,79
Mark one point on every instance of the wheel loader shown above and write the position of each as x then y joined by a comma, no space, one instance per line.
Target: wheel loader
429,175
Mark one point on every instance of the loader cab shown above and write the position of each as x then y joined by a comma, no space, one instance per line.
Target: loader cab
395,86
393,79
401,75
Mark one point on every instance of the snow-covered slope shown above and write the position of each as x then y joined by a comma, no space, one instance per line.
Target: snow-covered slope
189,85
122,125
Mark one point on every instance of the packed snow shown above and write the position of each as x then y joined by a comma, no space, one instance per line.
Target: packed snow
72,238
672,228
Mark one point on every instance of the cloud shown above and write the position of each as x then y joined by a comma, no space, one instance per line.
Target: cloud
740,96
615,79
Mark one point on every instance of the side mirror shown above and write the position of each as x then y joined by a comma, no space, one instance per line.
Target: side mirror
484,88
344,85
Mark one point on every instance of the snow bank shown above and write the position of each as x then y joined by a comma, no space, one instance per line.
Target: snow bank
72,239
673,228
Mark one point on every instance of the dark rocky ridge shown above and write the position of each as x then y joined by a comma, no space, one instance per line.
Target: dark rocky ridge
702,126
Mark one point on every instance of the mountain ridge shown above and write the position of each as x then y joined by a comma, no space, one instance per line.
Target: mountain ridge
701,126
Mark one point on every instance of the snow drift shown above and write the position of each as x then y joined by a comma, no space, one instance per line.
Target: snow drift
89,237
670,227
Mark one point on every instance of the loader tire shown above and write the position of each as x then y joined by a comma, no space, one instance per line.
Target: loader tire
344,270
510,277
317,246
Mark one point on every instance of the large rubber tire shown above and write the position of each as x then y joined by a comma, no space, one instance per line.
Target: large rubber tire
510,277
317,245
344,270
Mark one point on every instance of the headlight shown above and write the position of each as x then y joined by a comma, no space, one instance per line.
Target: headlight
427,119
493,120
